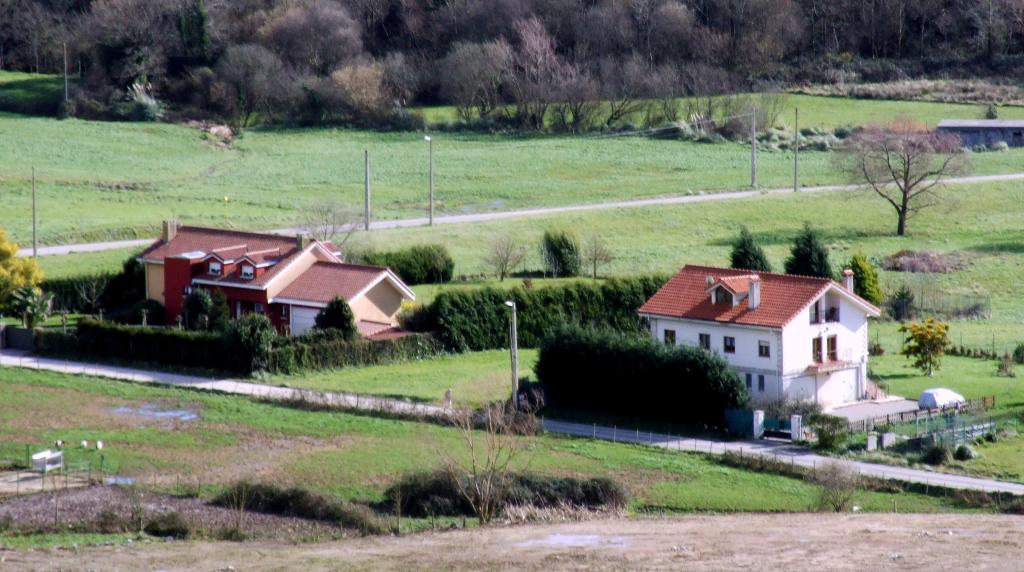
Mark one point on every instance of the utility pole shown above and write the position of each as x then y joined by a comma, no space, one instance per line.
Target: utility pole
35,248
65,73
753,149
430,145
796,150
366,189
514,350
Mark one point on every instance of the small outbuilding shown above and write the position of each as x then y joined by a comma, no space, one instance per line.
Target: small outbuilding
986,132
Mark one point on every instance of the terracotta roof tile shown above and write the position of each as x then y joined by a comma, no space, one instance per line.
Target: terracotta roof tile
197,239
783,296
324,281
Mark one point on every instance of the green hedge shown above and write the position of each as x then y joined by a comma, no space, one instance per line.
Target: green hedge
65,292
163,346
478,319
426,264
327,350
634,375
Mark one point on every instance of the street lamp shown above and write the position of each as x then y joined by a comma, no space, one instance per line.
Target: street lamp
514,350
430,145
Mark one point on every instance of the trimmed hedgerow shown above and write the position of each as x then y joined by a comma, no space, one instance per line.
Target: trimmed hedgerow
424,264
634,375
478,319
330,349
434,493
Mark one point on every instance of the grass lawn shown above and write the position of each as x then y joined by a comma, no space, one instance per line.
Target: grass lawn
80,263
474,378
354,457
34,94
100,180
972,378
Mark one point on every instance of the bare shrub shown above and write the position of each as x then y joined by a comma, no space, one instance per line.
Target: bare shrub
913,261
504,255
838,483
330,220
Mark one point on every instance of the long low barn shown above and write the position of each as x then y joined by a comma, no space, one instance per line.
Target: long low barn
985,131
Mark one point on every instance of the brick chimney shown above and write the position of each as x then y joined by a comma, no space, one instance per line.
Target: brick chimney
754,293
169,230
848,279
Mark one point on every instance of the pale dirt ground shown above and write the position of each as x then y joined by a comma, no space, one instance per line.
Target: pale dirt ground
728,542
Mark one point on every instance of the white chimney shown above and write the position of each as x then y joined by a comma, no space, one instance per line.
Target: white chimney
754,293
848,279
169,230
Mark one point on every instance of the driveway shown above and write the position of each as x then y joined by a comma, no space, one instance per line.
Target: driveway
872,409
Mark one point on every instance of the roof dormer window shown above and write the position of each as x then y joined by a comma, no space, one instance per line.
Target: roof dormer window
248,272
214,269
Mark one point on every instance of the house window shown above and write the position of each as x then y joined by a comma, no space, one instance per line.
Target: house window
214,269
816,312
816,350
833,351
760,383
764,349
729,344
258,308
670,337
284,310
705,341
248,272
832,315
750,382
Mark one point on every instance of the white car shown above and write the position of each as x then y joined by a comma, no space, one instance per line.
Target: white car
939,398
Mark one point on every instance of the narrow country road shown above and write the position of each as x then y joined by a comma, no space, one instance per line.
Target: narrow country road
524,213
784,452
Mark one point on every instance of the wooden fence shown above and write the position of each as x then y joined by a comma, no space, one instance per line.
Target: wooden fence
971,405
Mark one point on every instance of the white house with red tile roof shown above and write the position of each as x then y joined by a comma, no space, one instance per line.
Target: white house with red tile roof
789,337
288,279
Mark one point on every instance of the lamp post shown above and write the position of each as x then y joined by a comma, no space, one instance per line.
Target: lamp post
430,147
514,350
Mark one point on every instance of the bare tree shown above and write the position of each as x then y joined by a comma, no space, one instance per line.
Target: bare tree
578,99
256,78
494,440
838,484
536,67
904,163
313,35
89,290
596,253
475,75
626,84
504,255
330,220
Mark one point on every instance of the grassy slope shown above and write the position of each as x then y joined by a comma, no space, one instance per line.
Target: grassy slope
474,378
82,263
107,179
351,456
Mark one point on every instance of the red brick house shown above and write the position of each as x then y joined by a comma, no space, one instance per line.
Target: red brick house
288,279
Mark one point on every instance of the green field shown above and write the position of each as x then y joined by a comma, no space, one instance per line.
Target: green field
474,378
98,180
354,457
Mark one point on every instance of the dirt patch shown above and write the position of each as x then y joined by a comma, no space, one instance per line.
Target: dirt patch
936,262
95,507
215,135
743,541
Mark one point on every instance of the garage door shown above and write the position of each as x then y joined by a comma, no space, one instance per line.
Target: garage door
840,387
303,319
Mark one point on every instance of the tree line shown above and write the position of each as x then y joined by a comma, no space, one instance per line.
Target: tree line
525,63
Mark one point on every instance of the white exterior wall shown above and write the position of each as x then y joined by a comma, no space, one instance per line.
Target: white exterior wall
786,371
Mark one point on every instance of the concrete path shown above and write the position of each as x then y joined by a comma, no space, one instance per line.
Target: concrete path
781,451
12,358
784,452
524,213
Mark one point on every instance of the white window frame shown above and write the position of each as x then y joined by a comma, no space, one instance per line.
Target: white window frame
766,346
214,269
248,272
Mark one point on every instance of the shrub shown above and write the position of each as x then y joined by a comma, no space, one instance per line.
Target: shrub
328,349
426,264
132,314
198,306
936,455
297,502
1018,354
901,303
433,493
560,253
125,288
809,257
1006,367
838,483
337,316
168,525
475,320
964,453
829,428
865,279
587,368
876,349
251,336
747,254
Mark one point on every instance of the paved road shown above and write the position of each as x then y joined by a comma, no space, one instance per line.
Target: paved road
523,213
784,452
11,358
